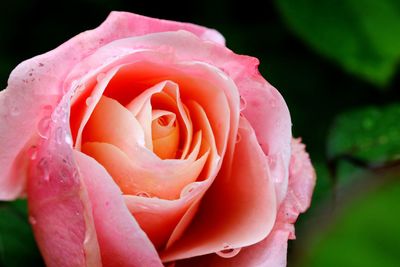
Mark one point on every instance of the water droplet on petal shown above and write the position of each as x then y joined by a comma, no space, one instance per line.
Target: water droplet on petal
272,102
68,139
243,103
100,77
47,109
238,138
15,111
80,88
43,127
142,194
43,168
89,101
32,220
228,251
188,189
32,152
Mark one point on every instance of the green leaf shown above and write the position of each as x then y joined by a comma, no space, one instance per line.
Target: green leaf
362,36
365,233
370,134
17,244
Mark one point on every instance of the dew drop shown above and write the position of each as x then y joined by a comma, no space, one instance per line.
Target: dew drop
32,152
43,127
243,103
80,88
32,220
142,194
68,139
228,251
272,102
14,111
43,168
47,109
238,138
89,101
100,77
188,189
272,161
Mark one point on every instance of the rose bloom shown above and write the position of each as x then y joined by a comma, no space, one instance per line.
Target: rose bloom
147,142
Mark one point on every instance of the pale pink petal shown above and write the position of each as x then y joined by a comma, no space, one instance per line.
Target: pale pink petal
269,116
129,24
272,251
238,210
59,209
121,241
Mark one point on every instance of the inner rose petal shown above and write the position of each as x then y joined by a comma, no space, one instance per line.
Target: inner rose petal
163,178
164,96
165,134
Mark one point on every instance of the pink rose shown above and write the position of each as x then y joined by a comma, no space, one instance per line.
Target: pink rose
145,142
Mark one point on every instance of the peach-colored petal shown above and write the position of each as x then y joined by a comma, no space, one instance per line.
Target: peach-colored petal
208,175
164,95
59,209
165,134
161,178
121,241
157,217
86,97
173,217
272,251
238,210
110,122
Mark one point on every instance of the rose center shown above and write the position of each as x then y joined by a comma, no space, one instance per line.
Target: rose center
165,134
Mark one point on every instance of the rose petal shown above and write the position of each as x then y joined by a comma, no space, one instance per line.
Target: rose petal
111,123
272,251
161,178
164,95
22,105
269,116
121,241
238,210
158,217
59,209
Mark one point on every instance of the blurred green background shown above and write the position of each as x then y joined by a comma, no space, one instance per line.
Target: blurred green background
335,63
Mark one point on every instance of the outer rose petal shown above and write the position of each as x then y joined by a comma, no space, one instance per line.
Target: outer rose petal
40,81
121,241
59,209
272,251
